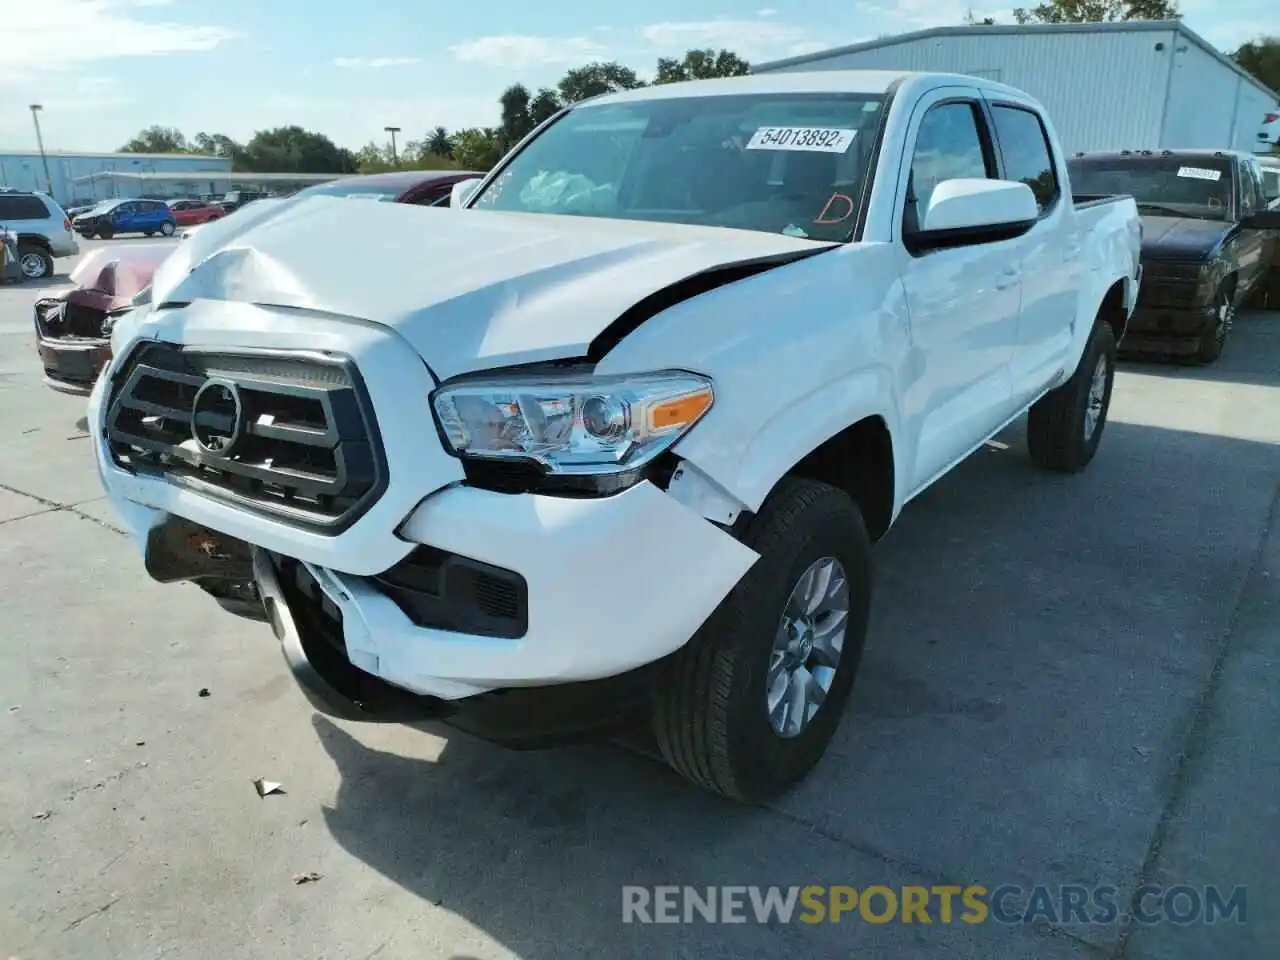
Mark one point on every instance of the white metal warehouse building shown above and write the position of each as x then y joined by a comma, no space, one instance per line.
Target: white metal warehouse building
1108,86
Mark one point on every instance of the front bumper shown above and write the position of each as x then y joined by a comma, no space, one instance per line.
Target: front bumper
611,584
1167,330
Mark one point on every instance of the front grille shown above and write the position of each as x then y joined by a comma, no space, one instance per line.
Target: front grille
286,434
446,591
1169,284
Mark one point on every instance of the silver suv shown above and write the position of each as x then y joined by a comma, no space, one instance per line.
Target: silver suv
43,230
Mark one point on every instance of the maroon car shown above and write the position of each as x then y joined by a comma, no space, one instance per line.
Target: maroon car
423,187
73,328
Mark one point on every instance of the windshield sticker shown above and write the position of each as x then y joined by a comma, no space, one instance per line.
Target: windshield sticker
809,139
1200,173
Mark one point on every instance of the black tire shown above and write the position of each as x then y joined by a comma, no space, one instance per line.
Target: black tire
32,258
1057,432
167,228
1215,338
710,715
106,233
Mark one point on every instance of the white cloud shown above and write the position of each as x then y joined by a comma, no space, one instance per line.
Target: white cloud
50,35
752,39
767,12
373,63
517,51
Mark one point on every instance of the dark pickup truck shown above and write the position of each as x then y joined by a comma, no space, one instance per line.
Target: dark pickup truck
1209,242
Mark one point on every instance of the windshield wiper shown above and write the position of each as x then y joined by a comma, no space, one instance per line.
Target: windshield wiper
1160,208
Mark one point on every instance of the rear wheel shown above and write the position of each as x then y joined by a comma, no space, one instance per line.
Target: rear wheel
1215,338
35,262
166,228
748,706
1065,426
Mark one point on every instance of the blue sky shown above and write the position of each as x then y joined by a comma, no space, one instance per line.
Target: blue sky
106,68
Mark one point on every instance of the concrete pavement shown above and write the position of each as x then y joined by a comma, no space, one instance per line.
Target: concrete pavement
1069,681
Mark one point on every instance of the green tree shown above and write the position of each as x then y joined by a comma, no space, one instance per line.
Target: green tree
595,79
477,149
544,105
157,139
516,118
1261,57
439,143
292,149
701,65
1096,11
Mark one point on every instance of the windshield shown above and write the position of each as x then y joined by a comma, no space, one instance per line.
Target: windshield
102,207
778,163
372,192
1199,187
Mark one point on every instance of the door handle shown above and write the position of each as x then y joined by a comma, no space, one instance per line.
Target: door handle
1008,277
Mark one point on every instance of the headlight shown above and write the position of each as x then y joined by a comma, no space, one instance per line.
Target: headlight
571,426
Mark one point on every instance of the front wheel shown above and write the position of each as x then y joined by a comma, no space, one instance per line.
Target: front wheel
166,228
1065,426
749,705
1215,338
106,233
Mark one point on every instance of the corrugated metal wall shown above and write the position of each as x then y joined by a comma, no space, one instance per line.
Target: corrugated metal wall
23,171
1202,101
1254,106
1103,90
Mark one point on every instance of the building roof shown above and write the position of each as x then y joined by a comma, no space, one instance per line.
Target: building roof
189,175
965,30
111,155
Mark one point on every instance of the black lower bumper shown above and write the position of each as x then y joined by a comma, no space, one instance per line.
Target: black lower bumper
1173,331
310,633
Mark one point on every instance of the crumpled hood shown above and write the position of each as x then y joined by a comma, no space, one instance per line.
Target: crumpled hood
118,272
1182,238
470,290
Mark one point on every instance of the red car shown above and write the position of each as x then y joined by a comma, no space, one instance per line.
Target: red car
72,328
187,213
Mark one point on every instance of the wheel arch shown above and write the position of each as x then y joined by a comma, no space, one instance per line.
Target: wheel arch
36,240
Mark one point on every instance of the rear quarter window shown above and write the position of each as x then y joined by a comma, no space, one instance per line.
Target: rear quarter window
22,208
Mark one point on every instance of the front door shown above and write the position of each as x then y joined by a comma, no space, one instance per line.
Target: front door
963,302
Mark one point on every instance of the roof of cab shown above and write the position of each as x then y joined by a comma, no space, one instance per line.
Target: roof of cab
1188,154
873,82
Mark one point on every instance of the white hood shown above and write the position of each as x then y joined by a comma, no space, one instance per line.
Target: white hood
470,290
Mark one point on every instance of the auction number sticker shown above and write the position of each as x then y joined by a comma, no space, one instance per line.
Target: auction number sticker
1199,173
812,139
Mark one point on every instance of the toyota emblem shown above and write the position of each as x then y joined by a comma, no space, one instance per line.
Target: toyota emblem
217,418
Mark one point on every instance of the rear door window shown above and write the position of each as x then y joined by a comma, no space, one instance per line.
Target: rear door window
1024,146
22,207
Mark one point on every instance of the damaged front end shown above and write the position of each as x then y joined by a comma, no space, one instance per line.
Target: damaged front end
74,342
73,329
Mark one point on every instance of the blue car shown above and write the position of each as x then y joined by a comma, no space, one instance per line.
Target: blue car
112,217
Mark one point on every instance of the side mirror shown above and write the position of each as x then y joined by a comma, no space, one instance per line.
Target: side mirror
968,211
1263,220
463,191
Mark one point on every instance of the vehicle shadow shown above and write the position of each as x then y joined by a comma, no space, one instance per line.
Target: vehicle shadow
1249,356
1037,646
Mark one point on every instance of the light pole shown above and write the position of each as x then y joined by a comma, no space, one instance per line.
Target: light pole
44,161
395,162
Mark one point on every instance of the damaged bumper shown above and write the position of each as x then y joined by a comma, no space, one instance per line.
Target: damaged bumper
439,595
72,344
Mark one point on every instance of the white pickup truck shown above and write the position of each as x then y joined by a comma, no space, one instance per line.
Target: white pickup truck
615,433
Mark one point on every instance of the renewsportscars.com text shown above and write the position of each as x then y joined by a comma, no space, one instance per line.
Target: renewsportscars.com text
973,904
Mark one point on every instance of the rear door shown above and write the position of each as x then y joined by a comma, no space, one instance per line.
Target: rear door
1050,254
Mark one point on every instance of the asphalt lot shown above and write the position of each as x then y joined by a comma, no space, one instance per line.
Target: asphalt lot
1068,681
